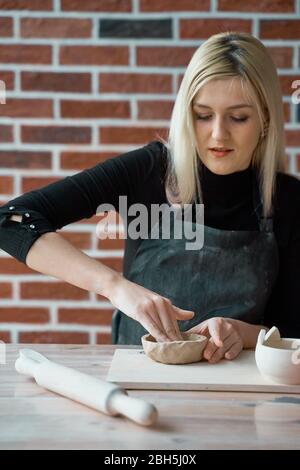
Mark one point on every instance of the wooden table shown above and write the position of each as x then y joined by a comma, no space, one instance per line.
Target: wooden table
34,418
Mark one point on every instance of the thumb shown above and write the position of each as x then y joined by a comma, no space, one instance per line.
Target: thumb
200,329
215,332
183,314
217,340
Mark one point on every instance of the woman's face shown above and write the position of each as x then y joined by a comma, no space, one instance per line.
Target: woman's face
221,121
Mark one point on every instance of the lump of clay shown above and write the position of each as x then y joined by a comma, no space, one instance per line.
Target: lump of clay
184,351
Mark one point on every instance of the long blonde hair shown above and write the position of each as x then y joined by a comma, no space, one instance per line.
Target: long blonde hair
224,55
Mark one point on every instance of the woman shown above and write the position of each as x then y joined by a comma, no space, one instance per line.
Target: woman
225,150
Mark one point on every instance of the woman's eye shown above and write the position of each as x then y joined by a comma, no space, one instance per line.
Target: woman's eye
235,119
204,118
243,119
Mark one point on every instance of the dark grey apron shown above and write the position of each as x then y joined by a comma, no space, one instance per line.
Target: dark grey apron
232,275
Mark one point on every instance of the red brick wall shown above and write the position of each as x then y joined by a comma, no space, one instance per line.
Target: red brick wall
87,80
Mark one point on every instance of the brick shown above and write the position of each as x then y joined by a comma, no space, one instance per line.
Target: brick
51,291
56,134
42,5
255,6
94,55
25,159
8,78
164,56
5,290
72,160
155,109
130,135
280,29
292,138
5,336
53,337
23,107
6,134
203,28
174,5
114,263
85,316
55,81
55,28
80,240
282,56
23,315
25,54
96,5
10,265
104,338
298,162
29,183
111,244
133,28
6,27
178,81
286,83
94,109
286,162
6,184
135,83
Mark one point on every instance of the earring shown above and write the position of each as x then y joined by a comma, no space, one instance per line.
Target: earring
264,132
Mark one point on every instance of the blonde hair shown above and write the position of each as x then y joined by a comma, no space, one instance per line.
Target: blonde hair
224,55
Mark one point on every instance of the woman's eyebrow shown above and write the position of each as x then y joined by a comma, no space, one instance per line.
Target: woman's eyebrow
242,105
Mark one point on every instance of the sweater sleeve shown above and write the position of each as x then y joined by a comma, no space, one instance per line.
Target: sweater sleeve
74,198
283,308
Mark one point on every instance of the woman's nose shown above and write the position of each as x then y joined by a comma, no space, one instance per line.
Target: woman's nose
219,130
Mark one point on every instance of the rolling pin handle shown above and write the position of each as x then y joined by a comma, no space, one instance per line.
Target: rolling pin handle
133,408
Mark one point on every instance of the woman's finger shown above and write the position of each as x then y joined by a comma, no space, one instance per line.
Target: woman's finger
219,329
182,314
234,351
150,324
171,312
200,329
167,319
227,345
210,349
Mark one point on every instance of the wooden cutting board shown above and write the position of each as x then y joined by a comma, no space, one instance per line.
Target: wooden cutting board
132,369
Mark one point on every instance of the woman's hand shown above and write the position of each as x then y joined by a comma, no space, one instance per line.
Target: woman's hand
156,313
225,338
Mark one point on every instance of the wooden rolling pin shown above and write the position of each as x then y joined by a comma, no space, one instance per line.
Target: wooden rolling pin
106,397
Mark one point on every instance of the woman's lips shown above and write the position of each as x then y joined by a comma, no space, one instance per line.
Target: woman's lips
220,153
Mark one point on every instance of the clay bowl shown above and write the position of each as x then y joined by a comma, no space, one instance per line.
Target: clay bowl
278,359
188,350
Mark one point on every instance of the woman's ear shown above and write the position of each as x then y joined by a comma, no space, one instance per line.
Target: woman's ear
265,128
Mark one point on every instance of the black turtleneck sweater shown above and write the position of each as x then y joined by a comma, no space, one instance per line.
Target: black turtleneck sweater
228,200
139,175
